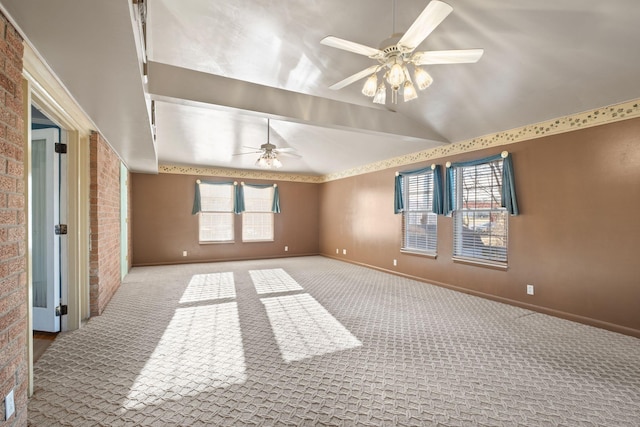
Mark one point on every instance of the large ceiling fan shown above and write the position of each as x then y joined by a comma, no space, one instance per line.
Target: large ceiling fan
269,153
397,52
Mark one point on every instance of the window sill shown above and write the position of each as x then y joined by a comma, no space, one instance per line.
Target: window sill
481,263
258,241
206,242
431,255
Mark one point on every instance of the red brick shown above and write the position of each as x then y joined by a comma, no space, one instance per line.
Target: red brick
15,168
15,201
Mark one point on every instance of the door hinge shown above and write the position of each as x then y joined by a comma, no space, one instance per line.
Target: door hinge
62,310
61,229
61,148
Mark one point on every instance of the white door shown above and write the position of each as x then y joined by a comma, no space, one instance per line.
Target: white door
45,216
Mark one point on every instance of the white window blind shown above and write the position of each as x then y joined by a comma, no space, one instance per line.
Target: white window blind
257,218
419,223
216,216
480,223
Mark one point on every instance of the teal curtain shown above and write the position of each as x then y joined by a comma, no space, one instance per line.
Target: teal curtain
508,198
275,205
238,204
437,205
448,204
398,204
197,204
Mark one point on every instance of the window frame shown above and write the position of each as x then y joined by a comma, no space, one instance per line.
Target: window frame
495,226
430,247
264,211
204,212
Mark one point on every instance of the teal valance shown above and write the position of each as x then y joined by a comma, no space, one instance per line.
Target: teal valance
437,205
275,204
197,203
508,197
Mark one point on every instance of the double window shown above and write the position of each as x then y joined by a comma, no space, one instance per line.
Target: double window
218,203
479,220
419,223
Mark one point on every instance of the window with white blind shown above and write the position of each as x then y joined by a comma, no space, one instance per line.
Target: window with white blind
419,223
480,223
257,218
216,215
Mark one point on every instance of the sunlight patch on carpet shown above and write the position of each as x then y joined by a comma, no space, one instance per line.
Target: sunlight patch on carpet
209,287
200,350
304,328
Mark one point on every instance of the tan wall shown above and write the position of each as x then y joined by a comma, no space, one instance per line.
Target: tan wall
577,239
104,215
163,227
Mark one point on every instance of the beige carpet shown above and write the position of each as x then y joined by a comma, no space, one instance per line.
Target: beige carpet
314,342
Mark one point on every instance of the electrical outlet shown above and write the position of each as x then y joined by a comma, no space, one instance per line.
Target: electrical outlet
395,262
184,253
344,252
9,405
529,289
337,250
286,248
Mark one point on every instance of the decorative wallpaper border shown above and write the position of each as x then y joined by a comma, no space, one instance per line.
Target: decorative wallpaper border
600,116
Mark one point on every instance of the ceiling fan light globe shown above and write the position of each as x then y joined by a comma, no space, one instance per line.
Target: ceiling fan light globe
381,95
422,78
396,75
277,163
369,88
409,92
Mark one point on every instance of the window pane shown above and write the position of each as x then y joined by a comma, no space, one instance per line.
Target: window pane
216,197
258,199
216,227
420,224
257,226
480,223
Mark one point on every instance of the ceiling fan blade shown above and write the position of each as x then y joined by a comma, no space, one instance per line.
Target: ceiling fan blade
354,78
429,19
244,154
463,56
360,49
285,150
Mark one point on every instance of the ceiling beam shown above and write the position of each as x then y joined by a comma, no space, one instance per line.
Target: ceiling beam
180,85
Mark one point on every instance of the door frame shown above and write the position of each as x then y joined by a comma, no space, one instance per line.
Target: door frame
41,88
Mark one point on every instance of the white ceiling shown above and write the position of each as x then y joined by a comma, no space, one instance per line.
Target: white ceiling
218,69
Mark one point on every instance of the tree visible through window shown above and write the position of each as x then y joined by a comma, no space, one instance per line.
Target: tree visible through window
216,215
419,223
480,222
257,218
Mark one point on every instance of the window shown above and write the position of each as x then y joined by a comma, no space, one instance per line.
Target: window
480,223
257,218
216,215
419,223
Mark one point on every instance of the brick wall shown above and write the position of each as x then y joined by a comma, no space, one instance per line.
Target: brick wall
104,214
13,288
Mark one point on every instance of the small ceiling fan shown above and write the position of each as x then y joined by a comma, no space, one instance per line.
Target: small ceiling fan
269,153
397,52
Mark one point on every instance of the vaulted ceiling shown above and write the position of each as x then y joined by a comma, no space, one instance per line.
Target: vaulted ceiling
217,70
